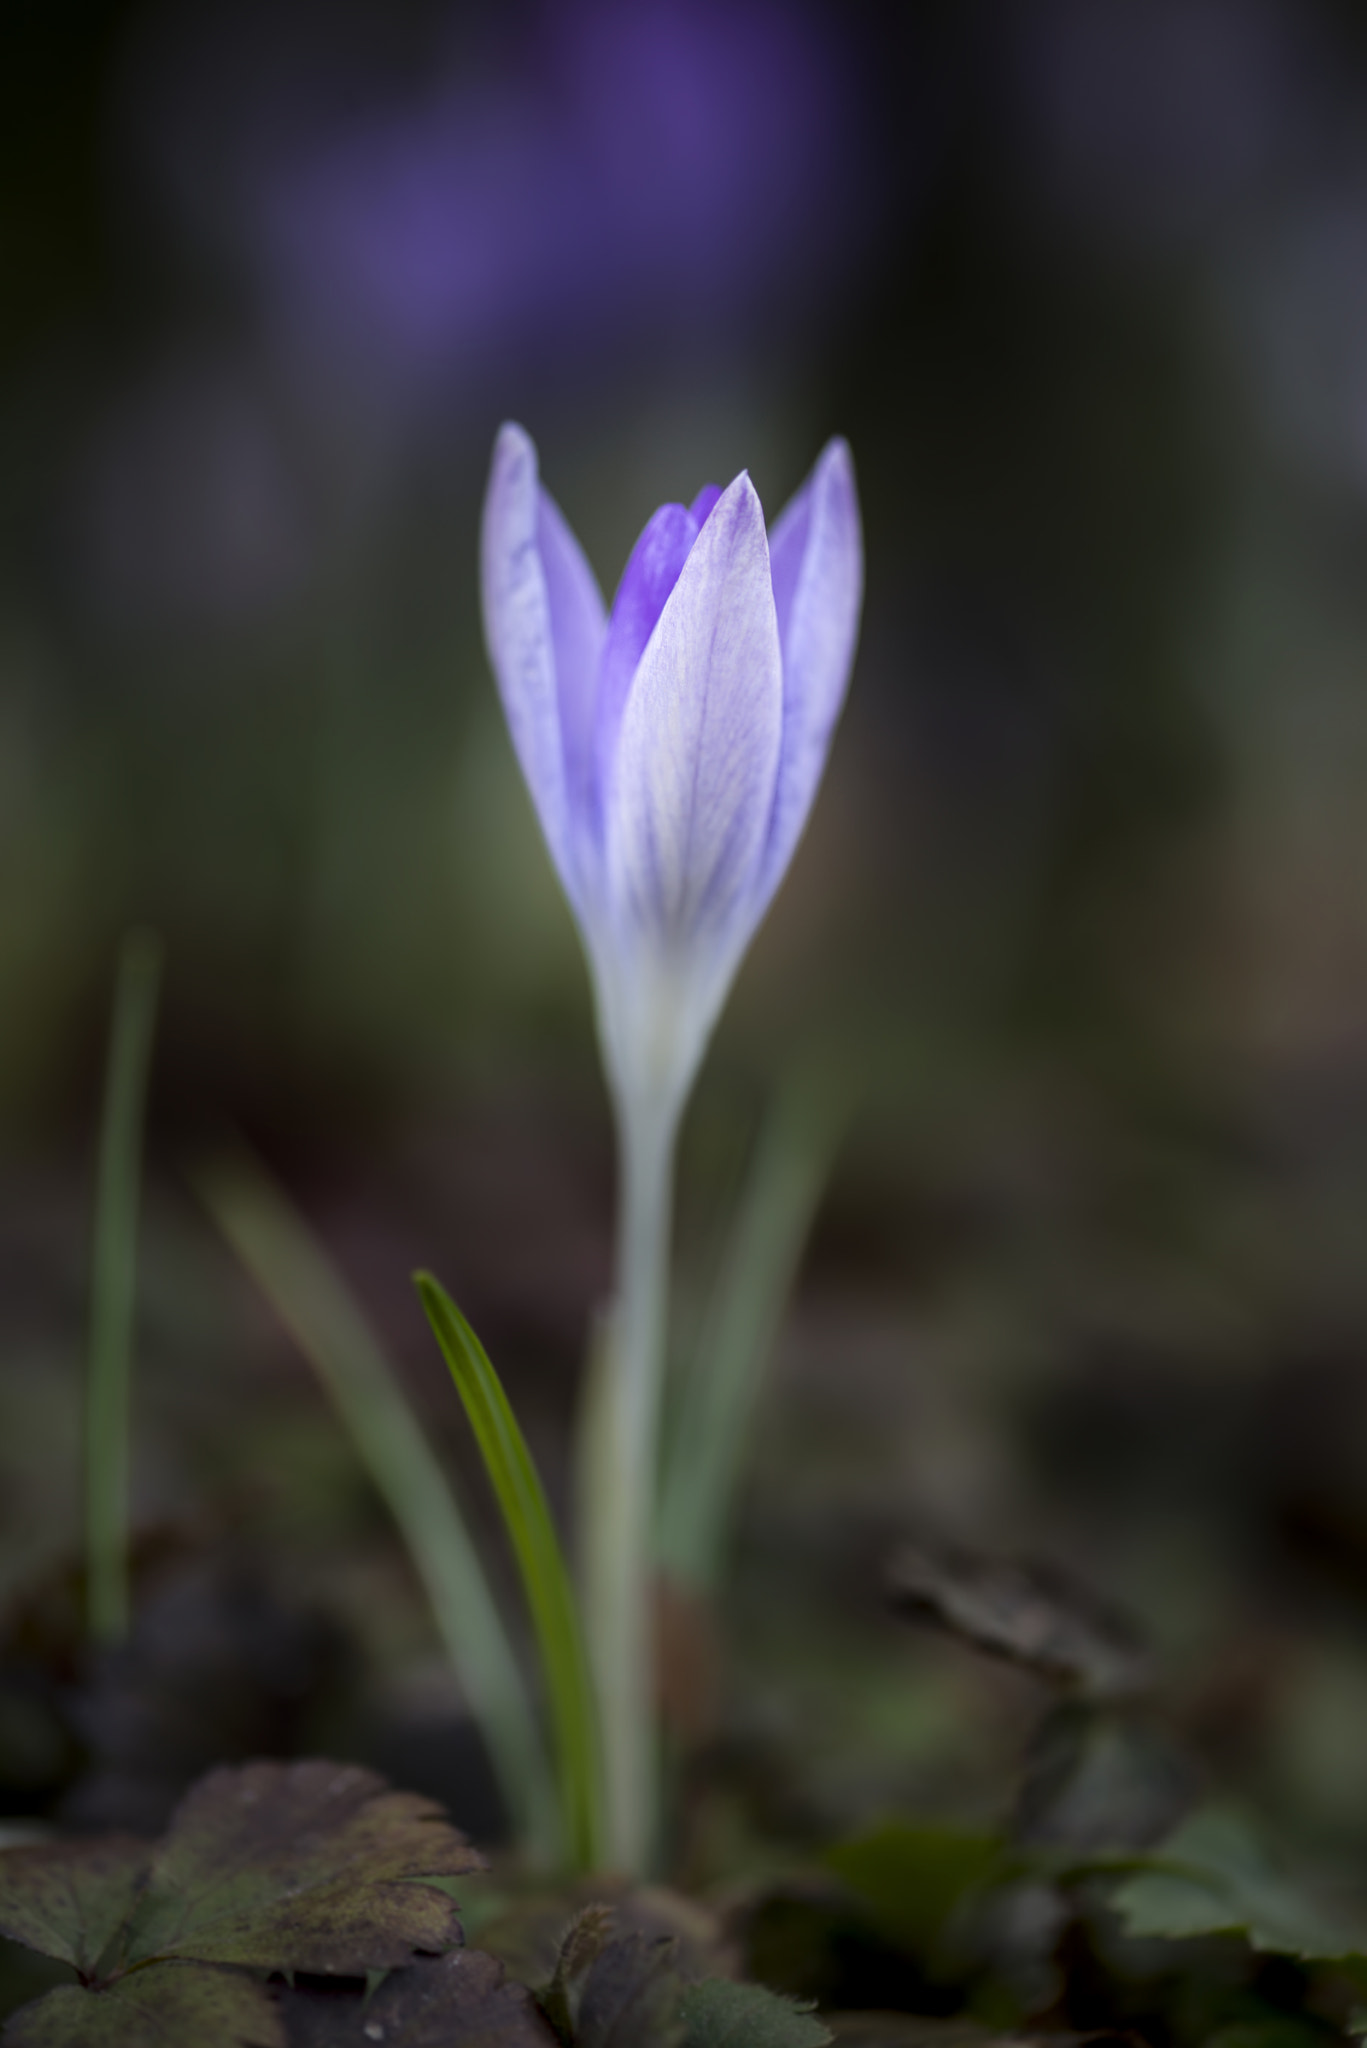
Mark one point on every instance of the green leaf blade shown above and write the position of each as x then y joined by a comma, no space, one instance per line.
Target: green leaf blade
541,1562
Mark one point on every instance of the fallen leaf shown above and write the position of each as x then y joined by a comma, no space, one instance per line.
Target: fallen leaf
69,1899
167,2005
631,1995
461,2000
310,1866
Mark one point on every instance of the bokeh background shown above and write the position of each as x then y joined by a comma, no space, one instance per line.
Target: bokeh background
1082,911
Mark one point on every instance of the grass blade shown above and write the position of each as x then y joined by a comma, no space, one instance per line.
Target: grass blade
113,1286
717,1398
550,1595
313,1302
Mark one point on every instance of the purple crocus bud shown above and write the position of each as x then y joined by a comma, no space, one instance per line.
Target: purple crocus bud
672,747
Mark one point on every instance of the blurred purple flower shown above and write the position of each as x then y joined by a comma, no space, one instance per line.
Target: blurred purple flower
672,748
646,165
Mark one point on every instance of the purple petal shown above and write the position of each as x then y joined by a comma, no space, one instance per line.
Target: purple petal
705,500
818,570
543,621
651,572
692,782
578,627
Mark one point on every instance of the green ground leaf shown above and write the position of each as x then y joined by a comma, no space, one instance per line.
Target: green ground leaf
461,2000
310,1866
550,1593
169,2005
915,1877
719,2014
1213,1876
69,1899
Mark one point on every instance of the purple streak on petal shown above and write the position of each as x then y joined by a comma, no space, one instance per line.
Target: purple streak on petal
818,569
526,614
692,784
705,500
651,572
578,627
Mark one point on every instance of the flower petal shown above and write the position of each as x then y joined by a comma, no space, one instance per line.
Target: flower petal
705,500
578,630
544,624
818,568
692,781
651,572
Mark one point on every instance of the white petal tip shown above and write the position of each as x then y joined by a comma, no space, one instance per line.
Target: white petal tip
739,499
513,444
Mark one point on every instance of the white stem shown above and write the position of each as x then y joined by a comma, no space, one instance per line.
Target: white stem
622,1455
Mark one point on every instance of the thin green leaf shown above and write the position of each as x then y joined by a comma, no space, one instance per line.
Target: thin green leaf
295,1275
113,1286
550,1595
711,1425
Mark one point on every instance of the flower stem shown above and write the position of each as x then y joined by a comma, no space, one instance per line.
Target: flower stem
622,1428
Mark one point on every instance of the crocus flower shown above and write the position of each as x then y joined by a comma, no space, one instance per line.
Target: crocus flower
673,746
